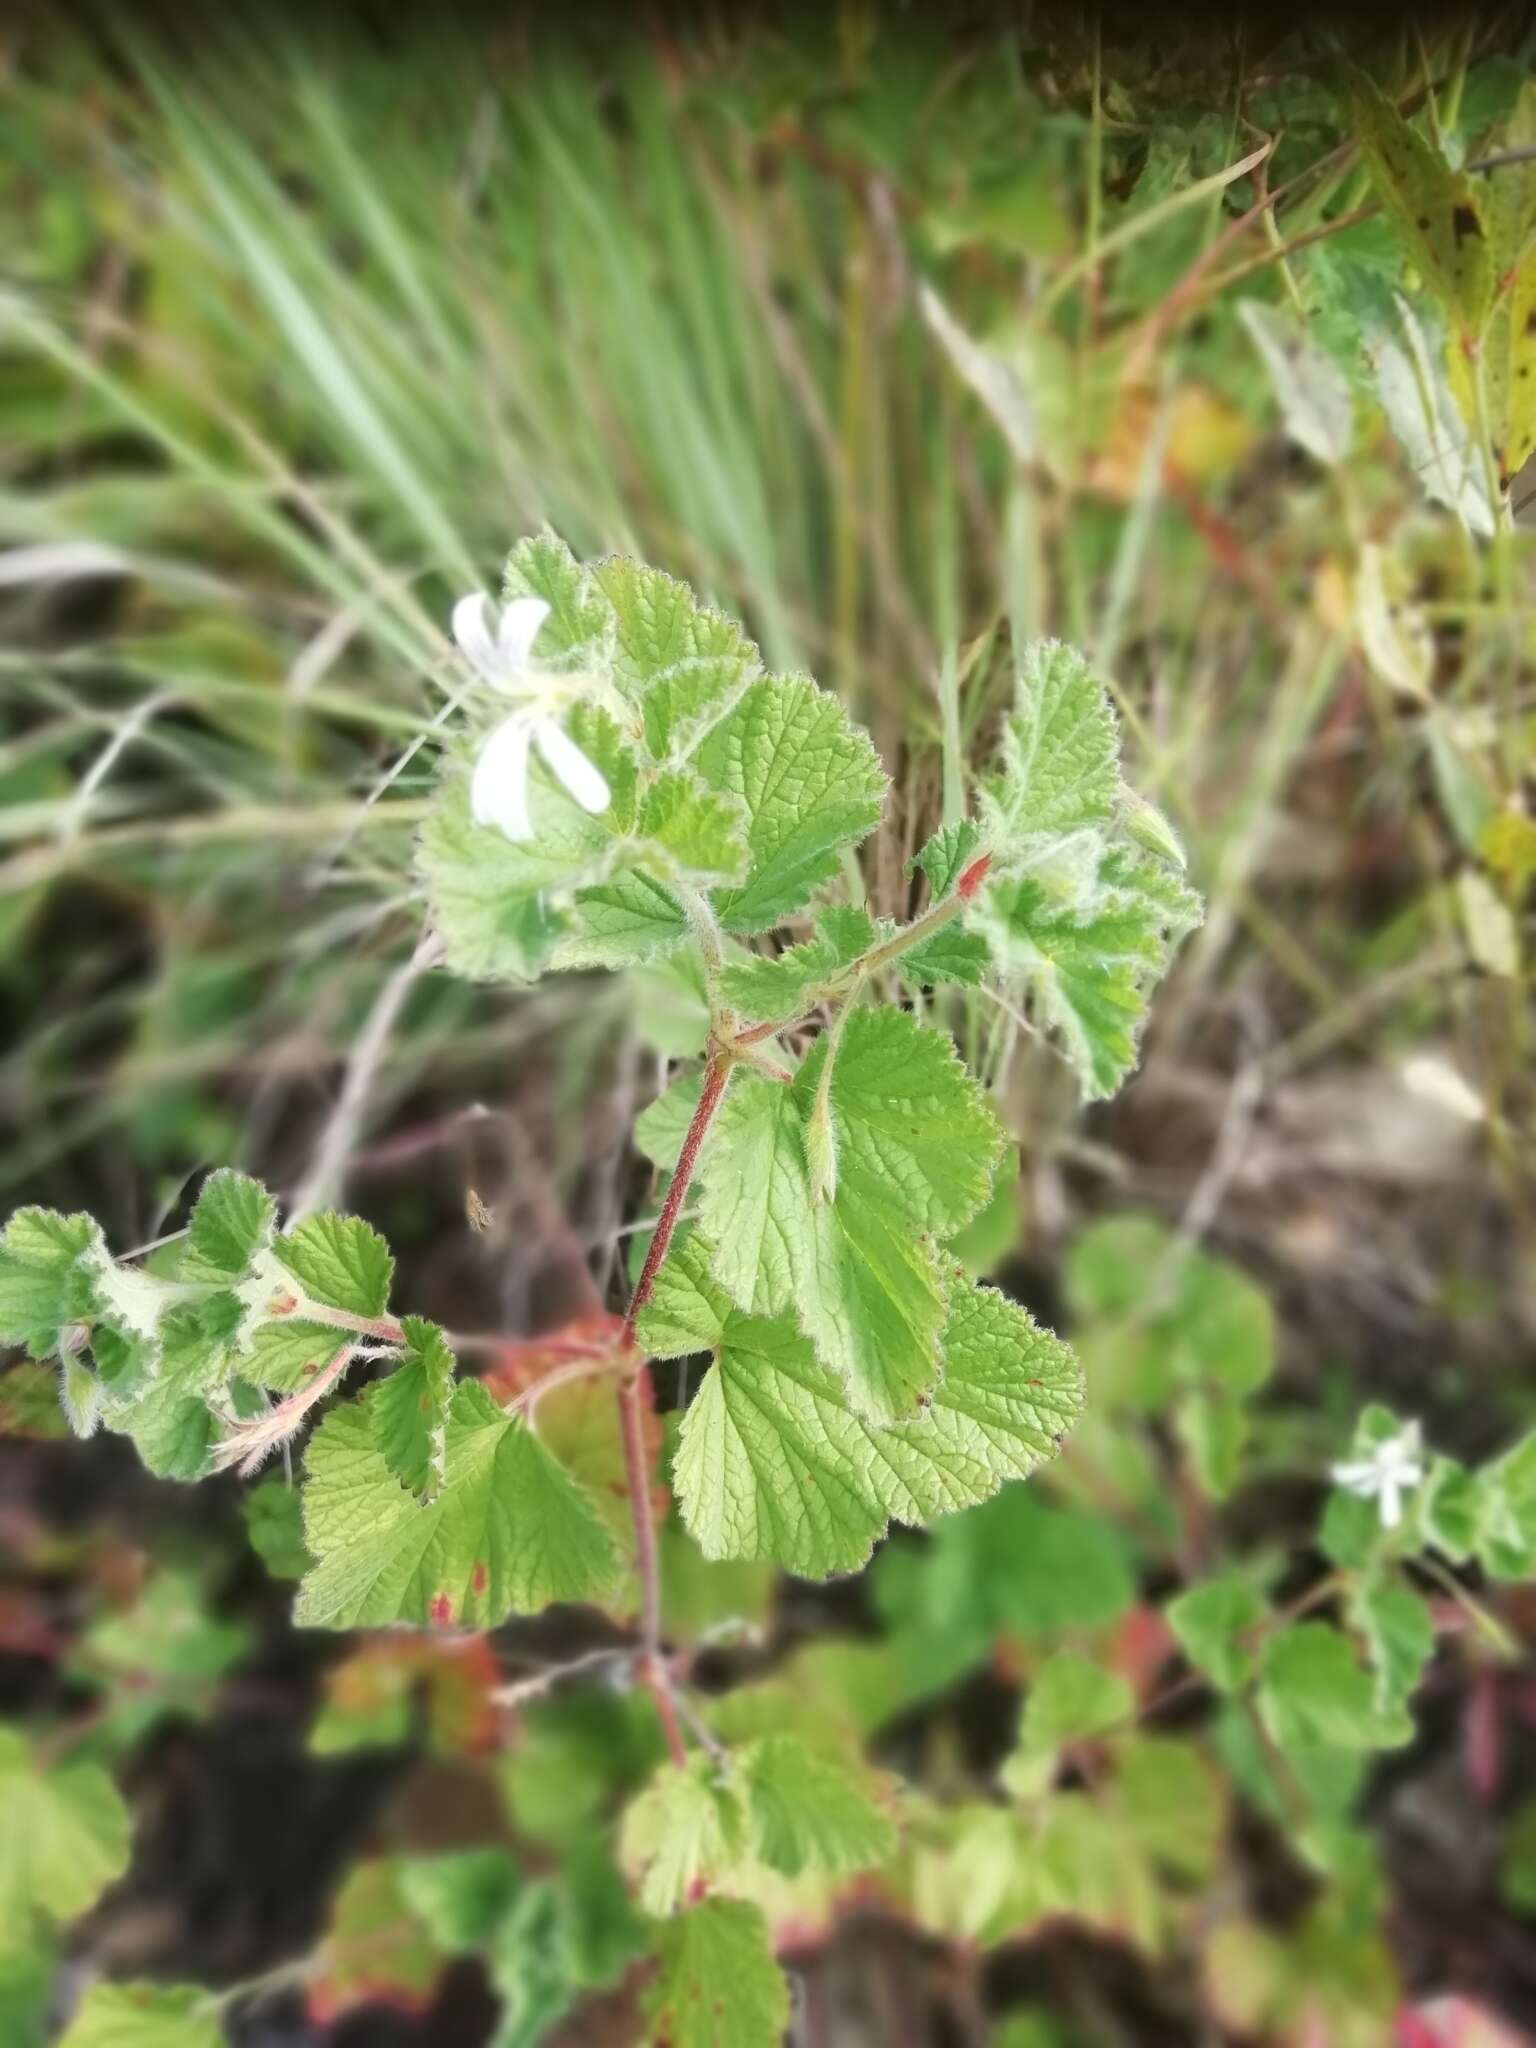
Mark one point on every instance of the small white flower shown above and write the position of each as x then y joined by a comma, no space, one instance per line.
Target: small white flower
1390,1470
498,791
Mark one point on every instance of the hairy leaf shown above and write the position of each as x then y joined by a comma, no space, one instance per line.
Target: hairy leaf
508,1533
683,664
579,622
945,857
340,1262
1059,758
230,1224
811,784
43,1285
915,1144
772,1462
1089,968
410,1408
767,990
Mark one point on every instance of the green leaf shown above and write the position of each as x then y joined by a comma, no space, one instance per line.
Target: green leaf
718,1981
1437,211
916,1143
993,1232
616,924
274,1524
1449,1509
42,1282
811,783
340,1262
686,1830
1210,1622
289,1350
509,1533
1314,1695
1070,1699
231,1223
946,856
701,833
490,899
683,664
811,1811
769,989
27,1974
1506,1542
65,1837
579,621
1059,755
663,1124
952,954
410,1408
169,1420
172,1431
772,1463
528,1970
460,1895
1089,968
144,2016
1400,1635
1173,1803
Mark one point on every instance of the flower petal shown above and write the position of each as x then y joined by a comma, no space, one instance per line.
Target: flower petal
472,632
1357,1478
498,792
569,765
519,628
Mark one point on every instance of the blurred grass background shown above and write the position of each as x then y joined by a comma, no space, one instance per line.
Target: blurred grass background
301,327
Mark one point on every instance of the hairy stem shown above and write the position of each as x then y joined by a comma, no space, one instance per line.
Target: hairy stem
716,1074
649,1664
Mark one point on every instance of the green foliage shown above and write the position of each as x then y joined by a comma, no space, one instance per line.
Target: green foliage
718,1980
1170,1330
143,2016
410,1409
508,1531
700,421
1214,1622
65,1838
857,1376
773,1462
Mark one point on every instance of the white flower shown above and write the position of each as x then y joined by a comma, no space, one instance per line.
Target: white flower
498,792
1389,1470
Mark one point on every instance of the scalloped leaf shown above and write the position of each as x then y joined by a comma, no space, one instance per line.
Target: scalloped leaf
509,1532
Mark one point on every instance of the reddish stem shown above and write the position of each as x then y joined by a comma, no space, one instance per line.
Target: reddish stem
649,1665
716,1075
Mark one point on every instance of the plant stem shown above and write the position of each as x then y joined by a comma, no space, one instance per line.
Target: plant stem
384,1329
716,1074
650,1667
649,1664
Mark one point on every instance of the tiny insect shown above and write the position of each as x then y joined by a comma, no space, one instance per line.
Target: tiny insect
481,1218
